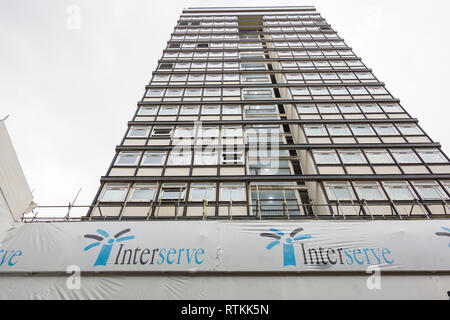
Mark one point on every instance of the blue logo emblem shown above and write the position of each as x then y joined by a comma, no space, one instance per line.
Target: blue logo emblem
105,250
288,243
444,234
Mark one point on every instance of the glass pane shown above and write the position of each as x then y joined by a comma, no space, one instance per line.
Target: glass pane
154,159
200,194
142,194
127,159
400,193
370,193
114,195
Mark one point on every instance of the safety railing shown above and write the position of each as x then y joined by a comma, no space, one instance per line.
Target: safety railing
258,210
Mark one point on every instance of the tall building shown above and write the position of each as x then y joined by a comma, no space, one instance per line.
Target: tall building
265,130
257,113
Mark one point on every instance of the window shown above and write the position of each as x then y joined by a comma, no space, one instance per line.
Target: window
405,156
253,66
319,91
399,190
377,90
196,77
362,130
142,193
180,158
202,192
370,108
214,77
257,93
230,77
208,132
325,157
339,191
213,92
255,78
128,158
315,130
349,108
299,91
154,158
193,92
205,158
172,192
364,75
179,77
293,76
391,108
328,109
329,76
386,130
369,191
357,90
251,55
211,109
114,192
138,132
232,157
308,109
231,109
352,156
430,190
195,65
378,156
431,155
147,111
338,91
190,110
161,77
230,92
232,131
232,192
260,109
338,130
162,132
311,76
409,129
166,66
184,132
346,75
168,110
174,92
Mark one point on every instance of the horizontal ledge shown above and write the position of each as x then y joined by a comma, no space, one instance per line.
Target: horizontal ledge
291,178
269,49
175,71
266,85
265,101
298,146
290,121
309,10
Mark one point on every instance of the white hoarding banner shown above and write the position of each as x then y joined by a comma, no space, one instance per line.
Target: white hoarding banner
13,185
223,246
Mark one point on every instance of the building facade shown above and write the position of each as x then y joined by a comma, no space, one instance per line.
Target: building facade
259,113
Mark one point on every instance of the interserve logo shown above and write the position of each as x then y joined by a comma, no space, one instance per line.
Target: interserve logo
107,243
444,234
287,241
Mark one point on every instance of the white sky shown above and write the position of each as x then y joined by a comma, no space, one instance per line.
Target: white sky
70,93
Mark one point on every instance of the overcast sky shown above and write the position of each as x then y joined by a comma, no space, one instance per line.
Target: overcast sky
70,91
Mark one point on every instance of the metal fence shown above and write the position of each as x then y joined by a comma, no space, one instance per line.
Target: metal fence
258,210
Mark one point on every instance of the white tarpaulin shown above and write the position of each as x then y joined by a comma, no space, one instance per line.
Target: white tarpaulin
225,246
13,184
